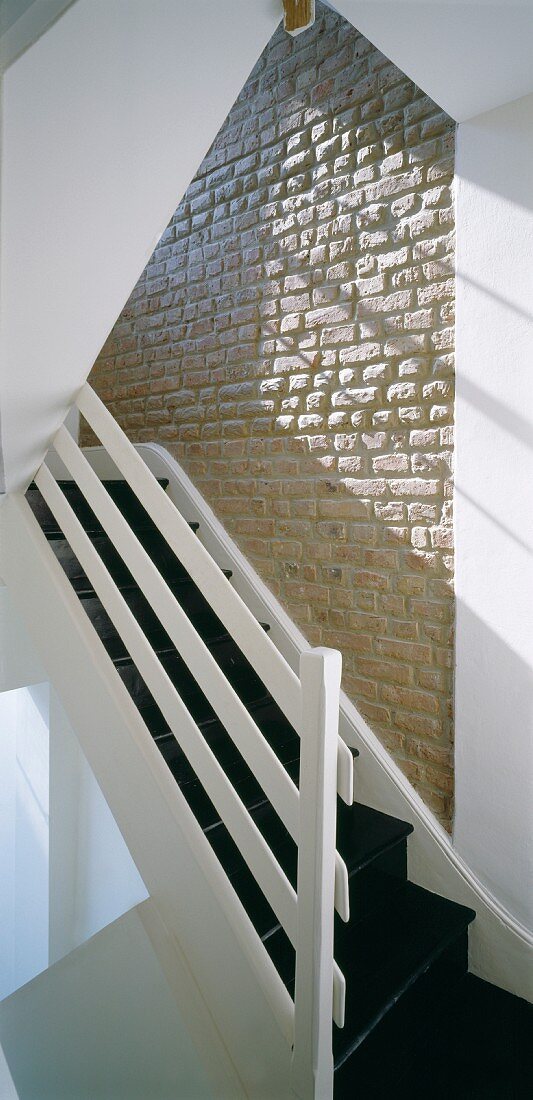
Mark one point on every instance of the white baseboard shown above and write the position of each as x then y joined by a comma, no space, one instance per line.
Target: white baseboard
501,948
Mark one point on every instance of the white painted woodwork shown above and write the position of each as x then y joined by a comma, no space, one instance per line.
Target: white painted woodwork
240,825
312,1065
242,828
280,679
500,945
215,944
104,122
260,757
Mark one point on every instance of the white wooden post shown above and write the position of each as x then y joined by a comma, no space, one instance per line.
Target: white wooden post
312,1060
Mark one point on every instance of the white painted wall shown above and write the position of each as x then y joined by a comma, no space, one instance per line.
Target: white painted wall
22,22
494,519
468,55
24,809
105,120
65,870
102,1023
93,879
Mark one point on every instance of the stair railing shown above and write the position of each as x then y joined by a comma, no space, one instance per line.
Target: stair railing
309,701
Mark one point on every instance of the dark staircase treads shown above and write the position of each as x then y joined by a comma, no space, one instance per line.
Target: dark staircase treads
168,564
404,950
479,1048
119,491
377,867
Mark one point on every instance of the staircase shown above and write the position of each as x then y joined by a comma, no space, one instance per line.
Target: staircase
401,952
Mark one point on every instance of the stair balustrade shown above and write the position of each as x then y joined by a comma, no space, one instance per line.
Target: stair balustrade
309,701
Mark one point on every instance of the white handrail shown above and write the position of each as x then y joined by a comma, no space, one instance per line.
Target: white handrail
253,746
310,702
282,683
312,1061
258,754
248,838
243,830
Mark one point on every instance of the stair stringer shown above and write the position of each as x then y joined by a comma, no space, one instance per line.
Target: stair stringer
500,947
226,989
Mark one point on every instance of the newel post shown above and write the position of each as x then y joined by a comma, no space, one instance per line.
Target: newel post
312,1060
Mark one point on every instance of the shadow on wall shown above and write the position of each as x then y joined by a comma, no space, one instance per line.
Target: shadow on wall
493,823
2,474
290,342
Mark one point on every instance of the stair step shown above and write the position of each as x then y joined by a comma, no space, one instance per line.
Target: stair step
236,668
279,735
119,491
160,553
404,949
245,785
383,958
387,956
377,834
376,864
210,629
186,594
480,1046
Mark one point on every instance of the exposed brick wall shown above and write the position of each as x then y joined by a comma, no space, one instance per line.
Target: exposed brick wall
291,340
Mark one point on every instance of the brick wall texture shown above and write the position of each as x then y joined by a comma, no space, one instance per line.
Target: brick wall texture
291,343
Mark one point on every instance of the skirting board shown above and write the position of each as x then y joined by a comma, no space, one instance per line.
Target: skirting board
501,948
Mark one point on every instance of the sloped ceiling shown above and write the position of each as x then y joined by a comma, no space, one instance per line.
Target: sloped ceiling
468,55
105,120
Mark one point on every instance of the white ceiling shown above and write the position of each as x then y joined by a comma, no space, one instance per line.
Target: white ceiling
10,10
22,22
468,55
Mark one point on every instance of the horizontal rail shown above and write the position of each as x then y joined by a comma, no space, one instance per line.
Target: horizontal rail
243,830
99,702
248,838
281,681
246,735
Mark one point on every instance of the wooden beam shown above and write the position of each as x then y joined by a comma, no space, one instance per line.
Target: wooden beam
299,15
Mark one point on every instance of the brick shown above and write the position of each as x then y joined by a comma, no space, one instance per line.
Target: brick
291,343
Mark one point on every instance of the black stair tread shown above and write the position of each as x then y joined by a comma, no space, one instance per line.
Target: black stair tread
391,950
188,597
260,706
480,1047
382,958
86,591
372,834
244,783
123,496
119,485
210,629
235,667
364,833
158,550
226,752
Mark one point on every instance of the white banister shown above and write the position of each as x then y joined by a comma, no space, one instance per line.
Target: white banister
242,828
271,666
312,1062
260,757
253,746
